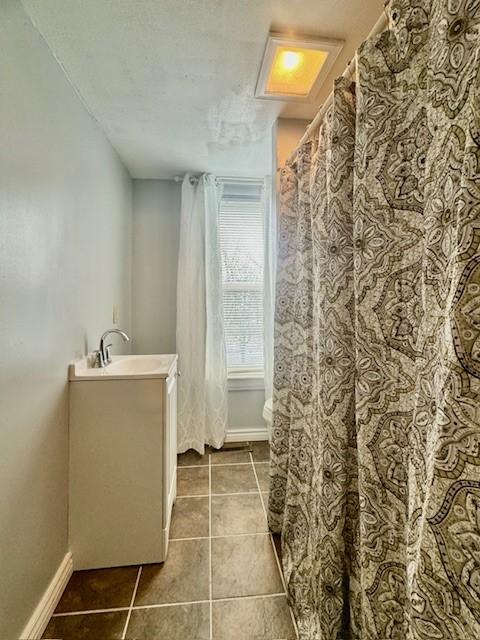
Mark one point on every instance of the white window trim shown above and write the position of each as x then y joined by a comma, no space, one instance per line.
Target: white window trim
246,380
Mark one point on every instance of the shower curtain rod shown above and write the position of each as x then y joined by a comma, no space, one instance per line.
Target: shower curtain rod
380,26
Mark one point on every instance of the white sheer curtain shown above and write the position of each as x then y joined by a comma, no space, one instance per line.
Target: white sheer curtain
269,273
202,389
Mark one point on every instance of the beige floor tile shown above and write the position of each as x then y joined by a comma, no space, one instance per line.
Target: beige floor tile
252,619
98,589
104,626
237,514
244,566
183,577
192,458
192,482
189,518
263,474
177,622
233,479
224,456
260,451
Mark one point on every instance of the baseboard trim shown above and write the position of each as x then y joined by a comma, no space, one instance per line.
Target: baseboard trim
38,621
243,434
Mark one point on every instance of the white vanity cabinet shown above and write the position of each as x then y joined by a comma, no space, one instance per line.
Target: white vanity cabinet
170,457
123,437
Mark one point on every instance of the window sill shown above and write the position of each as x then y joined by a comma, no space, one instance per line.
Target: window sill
246,381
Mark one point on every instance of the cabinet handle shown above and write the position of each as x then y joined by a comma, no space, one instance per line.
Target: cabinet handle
178,374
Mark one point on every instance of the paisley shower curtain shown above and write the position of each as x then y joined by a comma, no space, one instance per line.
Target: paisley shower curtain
375,476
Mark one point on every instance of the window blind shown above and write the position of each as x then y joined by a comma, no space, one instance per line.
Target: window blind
242,249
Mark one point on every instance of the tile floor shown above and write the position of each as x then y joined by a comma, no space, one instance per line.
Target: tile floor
221,580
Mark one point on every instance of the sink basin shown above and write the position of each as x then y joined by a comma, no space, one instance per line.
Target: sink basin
141,364
125,367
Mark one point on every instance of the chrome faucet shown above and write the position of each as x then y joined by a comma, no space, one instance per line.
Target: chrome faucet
103,355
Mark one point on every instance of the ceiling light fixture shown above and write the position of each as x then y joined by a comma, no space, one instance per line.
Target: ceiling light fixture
291,60
294,67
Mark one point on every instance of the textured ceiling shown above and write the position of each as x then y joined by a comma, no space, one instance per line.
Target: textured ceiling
171,82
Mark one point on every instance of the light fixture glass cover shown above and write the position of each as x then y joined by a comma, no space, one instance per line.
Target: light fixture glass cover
293,67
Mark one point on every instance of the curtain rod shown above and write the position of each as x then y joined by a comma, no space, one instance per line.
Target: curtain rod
193,179
231,179
380,26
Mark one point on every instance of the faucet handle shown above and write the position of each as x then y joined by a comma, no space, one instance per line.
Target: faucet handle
98,361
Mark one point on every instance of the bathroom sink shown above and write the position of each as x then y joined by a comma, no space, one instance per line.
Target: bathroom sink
140,364
125,367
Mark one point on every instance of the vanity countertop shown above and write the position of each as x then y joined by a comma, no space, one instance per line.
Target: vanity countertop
125,368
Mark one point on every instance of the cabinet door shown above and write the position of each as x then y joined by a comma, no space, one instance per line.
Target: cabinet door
170,454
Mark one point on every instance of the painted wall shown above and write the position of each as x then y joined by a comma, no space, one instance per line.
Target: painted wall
286,137
156,228
65,259
245,409
286,134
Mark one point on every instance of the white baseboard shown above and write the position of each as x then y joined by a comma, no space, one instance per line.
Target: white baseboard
38,621
243,434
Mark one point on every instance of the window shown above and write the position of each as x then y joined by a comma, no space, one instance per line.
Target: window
242,248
